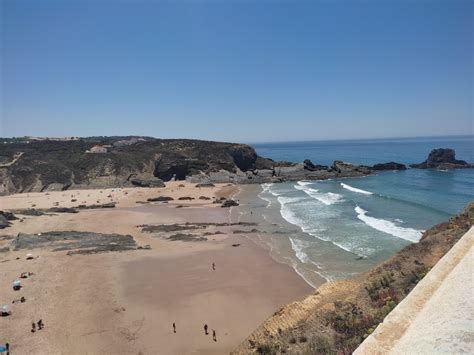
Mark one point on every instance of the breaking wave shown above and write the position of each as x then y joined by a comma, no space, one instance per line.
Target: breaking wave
410,234
328,198
354,189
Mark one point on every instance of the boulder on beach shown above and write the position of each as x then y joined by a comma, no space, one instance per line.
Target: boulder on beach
160,199
442,159
148,182
229,203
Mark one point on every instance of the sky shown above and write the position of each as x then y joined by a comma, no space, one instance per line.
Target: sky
237,70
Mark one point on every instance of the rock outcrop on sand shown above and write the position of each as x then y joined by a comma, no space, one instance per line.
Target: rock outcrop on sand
5,218
148,182
442,159
229,203
74,242
340,315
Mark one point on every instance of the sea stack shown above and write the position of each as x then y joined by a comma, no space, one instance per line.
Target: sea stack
442,158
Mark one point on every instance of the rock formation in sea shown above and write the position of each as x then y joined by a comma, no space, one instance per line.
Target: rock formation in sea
339,315
442,159
389,166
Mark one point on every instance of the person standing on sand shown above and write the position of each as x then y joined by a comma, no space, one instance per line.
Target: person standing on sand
205,329
214,335
174,327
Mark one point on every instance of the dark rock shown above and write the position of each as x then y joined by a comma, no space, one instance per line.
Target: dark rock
148,182
4,223
8,215
61,210
442,158
91,207
205,184
389,166
74,242
160,199
345,168
308,165
204,198
229,203
29,212
185,198
186,238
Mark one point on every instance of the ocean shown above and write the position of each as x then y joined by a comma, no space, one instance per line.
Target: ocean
335,229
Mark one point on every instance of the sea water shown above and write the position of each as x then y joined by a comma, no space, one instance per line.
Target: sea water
334,229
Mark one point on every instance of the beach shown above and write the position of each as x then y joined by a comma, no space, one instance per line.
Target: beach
126,302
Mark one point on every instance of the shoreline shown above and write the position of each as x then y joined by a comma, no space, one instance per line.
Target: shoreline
126,301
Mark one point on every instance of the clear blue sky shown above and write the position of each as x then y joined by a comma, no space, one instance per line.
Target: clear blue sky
245,71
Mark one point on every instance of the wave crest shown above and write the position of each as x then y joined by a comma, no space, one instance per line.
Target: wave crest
354,189
410,234
328,198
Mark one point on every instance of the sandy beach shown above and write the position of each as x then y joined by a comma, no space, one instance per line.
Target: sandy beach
126,302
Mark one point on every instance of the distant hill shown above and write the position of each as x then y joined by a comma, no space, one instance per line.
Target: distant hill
42,164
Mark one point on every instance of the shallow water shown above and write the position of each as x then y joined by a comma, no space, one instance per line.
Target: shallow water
338,228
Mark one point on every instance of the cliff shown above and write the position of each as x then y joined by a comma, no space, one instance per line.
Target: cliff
30,164
340,315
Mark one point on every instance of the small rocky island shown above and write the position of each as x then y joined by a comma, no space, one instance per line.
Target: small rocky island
442,159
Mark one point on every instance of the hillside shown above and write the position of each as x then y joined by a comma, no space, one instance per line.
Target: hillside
340,315
33,164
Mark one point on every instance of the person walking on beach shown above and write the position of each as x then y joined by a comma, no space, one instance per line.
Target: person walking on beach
214,335
205,329
213,266
174,327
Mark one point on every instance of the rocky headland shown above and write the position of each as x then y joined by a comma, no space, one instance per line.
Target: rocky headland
33,165
37,165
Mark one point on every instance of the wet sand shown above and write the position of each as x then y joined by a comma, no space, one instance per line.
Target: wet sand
126,302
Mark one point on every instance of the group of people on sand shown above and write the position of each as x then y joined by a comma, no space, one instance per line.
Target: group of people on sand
206,328
40,325
17,287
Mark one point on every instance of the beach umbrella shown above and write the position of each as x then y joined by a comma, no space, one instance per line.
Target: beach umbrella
3,349
16,284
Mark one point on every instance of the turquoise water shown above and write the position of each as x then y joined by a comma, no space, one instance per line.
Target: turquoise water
340,227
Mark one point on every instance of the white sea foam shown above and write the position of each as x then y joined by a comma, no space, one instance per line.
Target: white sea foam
354,189
298,246
328,198
266,189
410,234
305,183
290,216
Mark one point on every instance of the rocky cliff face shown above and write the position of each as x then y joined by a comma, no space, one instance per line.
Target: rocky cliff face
442,159
100,162
338,316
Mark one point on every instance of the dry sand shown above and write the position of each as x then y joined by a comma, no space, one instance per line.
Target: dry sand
126,302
